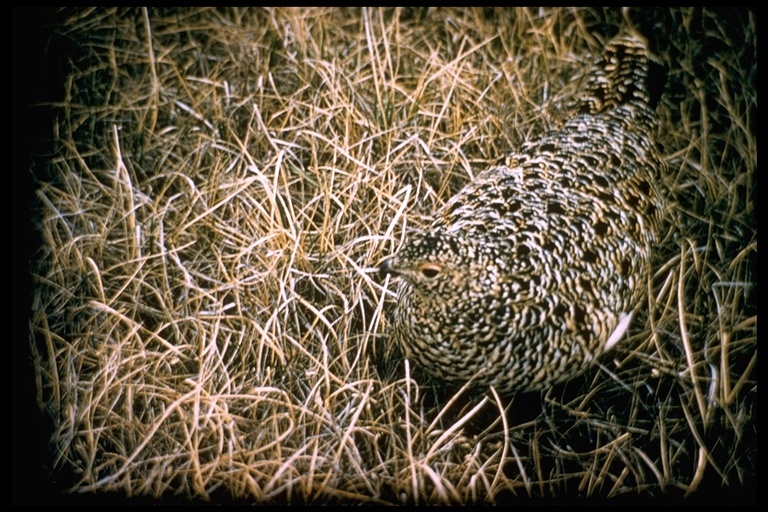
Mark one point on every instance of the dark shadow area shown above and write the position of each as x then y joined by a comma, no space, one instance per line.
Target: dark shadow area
36,80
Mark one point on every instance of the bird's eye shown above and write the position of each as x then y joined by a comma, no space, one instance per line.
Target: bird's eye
429,271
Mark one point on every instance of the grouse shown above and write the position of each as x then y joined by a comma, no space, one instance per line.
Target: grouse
535,268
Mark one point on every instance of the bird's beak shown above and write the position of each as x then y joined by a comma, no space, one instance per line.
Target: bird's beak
386,268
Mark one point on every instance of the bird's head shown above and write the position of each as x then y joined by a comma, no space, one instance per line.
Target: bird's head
442,265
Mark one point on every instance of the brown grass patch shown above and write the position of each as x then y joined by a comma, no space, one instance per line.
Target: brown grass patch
207,320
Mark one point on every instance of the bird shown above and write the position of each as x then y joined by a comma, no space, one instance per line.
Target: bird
536,267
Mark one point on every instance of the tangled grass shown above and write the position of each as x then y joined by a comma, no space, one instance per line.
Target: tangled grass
207,323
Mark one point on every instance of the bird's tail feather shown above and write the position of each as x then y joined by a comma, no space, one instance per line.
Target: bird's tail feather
622,76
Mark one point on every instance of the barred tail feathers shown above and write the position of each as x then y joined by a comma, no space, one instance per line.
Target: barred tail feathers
621,76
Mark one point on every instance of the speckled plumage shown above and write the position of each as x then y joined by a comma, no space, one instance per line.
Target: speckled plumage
534,268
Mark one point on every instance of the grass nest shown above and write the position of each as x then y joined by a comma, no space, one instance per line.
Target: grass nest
219,185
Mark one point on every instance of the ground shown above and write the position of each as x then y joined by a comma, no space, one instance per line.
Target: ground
212,191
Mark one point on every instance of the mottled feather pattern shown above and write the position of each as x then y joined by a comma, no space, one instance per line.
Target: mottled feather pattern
531,269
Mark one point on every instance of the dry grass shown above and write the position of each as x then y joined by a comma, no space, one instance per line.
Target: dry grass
207,319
